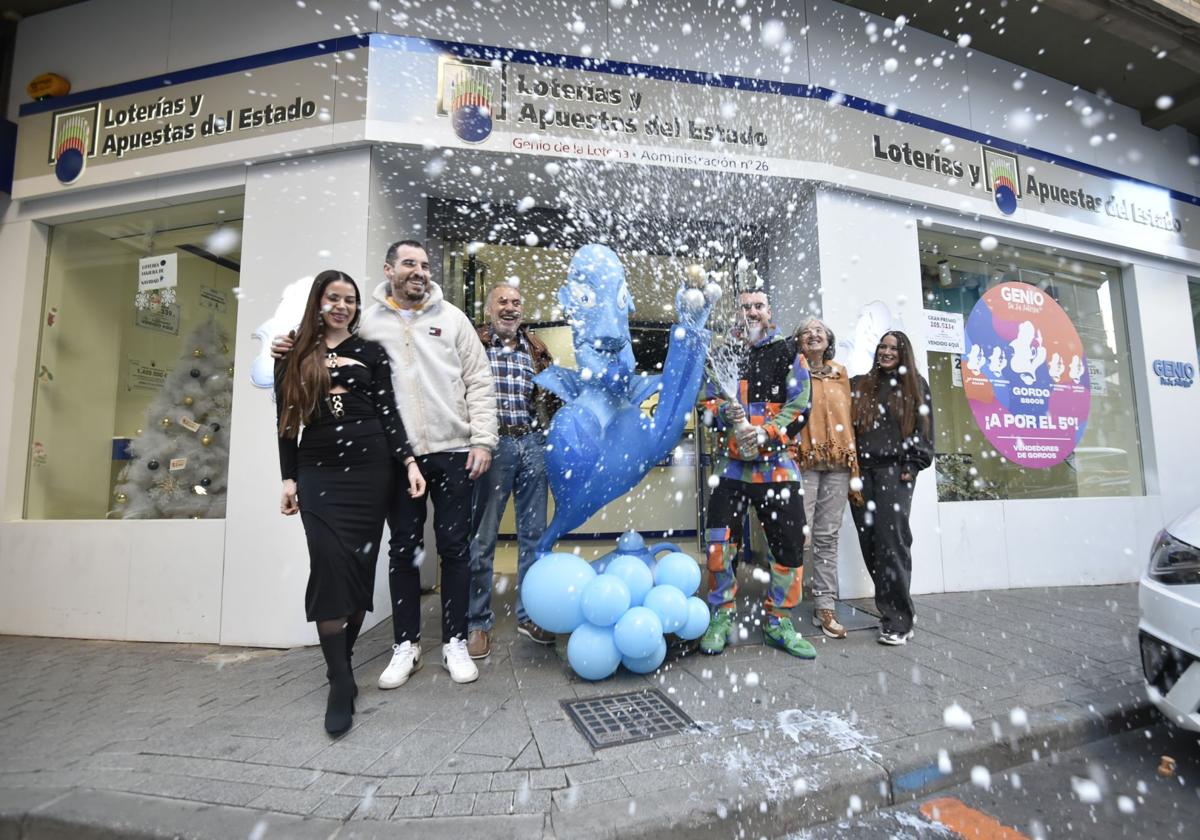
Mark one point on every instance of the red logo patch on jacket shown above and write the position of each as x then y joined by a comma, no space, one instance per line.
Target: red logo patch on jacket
435,330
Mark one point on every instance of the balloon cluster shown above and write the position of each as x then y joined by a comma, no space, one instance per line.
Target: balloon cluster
618,617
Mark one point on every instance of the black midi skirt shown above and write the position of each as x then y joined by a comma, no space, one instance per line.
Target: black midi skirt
345,483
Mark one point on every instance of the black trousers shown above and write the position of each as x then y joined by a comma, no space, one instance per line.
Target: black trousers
886,542
451,490
780,509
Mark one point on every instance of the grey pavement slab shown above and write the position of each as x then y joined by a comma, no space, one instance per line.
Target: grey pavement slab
100,738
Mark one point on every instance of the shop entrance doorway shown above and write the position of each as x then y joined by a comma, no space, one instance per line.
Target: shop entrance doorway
483,245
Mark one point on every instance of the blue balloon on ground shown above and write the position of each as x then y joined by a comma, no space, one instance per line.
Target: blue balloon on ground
605,600
647,664
635,574
670,605
592,652
638,632
697,620
552,591
679,570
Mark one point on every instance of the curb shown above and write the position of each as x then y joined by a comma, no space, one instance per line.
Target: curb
862,779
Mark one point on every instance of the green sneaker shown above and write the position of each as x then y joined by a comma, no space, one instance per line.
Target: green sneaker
783,635
720,627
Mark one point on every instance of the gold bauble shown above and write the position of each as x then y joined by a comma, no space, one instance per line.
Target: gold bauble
165,422
229,370
188,400
198,353
121,498
206,440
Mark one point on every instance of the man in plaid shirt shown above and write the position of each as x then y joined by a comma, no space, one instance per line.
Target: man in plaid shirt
518,465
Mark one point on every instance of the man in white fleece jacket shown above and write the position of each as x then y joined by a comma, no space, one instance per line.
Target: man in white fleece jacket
445,392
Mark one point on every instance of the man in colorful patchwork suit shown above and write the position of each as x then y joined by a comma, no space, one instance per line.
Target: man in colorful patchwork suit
755,469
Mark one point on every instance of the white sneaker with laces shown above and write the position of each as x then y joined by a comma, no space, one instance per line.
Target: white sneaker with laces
457,661
406,658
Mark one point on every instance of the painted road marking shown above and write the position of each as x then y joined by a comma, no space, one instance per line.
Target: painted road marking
966,822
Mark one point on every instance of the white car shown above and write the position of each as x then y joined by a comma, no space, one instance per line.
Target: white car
1169,598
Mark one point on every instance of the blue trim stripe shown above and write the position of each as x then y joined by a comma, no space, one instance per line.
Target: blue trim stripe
195,74
570,62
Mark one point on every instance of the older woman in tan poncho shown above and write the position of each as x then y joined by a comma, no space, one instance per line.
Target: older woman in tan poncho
828,463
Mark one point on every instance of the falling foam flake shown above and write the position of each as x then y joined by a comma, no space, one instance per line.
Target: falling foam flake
956,717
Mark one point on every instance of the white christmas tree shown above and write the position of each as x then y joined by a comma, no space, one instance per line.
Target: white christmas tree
179,462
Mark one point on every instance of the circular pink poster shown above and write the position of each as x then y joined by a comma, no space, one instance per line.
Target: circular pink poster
1026,375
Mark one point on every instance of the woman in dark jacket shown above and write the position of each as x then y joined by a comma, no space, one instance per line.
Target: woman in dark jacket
893,429
339,476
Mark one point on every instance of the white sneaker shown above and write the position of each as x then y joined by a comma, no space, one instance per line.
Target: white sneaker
457,661
406,658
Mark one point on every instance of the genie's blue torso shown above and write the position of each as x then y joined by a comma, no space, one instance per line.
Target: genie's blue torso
601,444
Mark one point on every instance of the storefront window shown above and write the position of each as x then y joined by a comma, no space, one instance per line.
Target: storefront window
1088,387
134,383
1194,290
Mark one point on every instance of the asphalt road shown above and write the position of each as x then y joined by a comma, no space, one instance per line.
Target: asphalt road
1105,790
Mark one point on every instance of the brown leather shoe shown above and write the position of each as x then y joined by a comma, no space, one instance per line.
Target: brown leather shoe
479,644
536,634
830,626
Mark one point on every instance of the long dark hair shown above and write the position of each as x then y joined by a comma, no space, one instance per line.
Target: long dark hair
303,375
903,402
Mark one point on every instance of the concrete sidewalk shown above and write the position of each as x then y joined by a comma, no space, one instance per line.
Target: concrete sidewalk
101,739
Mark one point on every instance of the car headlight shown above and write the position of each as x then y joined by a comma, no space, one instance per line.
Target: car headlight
1174,561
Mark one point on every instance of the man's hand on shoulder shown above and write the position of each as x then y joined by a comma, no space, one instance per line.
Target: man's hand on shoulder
281,345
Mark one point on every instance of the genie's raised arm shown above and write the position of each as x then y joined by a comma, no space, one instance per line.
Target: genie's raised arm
601,444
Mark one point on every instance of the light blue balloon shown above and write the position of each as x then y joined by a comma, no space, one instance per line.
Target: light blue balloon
605,600
670,605
638,632
552,591
647,664
636,575
679,570
697,620
592,652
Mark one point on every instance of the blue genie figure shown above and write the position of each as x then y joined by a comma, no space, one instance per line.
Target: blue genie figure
600,443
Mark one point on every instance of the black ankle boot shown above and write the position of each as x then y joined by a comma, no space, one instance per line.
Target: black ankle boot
339,708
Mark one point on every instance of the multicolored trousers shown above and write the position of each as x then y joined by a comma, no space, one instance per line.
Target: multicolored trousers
780,509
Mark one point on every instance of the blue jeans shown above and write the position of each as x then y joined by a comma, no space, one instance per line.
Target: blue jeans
518,469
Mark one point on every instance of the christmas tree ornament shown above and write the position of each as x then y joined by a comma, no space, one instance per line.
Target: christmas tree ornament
195,373
121,498
188,401
152,464
197,353
206,440
229,370
216,427
165,422
205,482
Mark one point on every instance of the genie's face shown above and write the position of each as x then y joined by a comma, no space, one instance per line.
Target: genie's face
597,304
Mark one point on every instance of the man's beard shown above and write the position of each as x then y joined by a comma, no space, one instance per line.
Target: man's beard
754,331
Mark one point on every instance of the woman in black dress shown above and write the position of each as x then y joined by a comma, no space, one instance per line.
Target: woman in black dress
339,476
893,430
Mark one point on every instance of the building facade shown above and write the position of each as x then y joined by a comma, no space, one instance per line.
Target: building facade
1040,245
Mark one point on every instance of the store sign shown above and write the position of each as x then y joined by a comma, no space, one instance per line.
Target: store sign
943,331
1025,375
1174,374
625,113
431,94
73,145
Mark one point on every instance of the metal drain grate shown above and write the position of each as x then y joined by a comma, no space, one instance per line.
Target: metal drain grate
626,718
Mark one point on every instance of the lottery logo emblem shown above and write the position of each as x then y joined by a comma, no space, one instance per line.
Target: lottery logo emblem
1003,178
471,93
72,142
